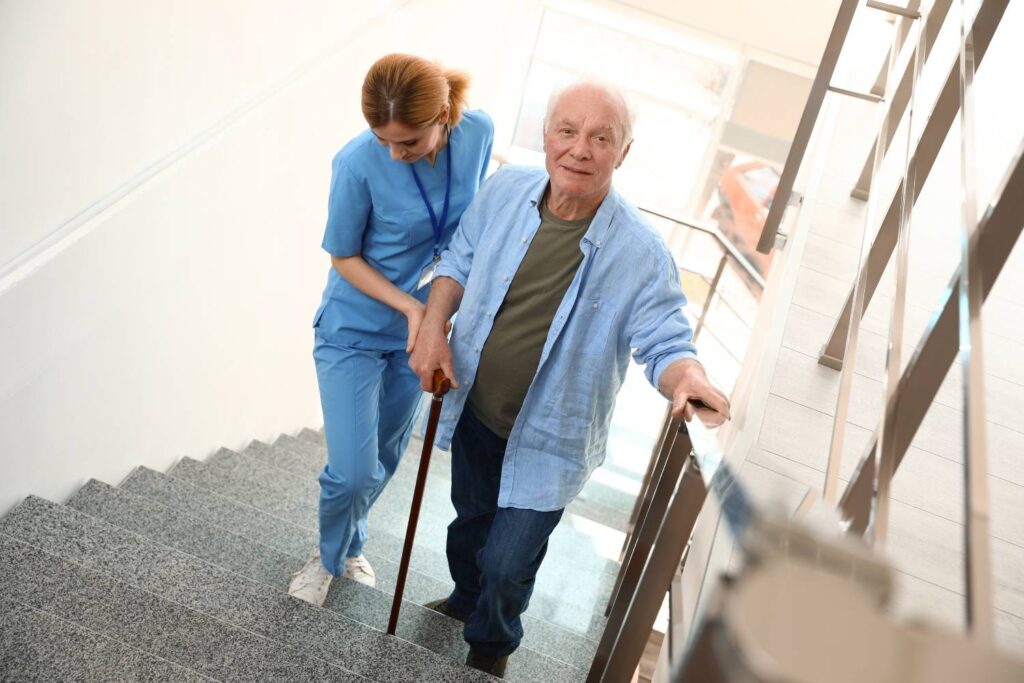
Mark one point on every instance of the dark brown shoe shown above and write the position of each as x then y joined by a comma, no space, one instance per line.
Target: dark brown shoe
442,607
489,665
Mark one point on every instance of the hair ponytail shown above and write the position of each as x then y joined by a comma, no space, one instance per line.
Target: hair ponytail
412,91
458,85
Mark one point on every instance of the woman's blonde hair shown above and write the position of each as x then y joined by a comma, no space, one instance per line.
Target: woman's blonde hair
412,91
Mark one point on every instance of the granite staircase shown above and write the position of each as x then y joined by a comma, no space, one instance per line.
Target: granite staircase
183,576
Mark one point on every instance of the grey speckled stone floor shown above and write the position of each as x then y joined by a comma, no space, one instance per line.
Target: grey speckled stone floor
294,541
145,621
181,577
573,584
125,558
38,646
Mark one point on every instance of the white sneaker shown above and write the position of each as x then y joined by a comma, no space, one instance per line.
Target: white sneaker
310,583
359,569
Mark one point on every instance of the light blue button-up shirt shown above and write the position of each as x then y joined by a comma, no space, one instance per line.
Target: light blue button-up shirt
625,297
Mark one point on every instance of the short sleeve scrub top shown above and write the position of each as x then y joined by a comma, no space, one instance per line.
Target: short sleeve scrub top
367,390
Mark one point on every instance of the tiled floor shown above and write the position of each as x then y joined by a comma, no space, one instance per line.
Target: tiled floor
792,448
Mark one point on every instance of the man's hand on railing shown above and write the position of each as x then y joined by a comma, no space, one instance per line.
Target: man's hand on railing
685,382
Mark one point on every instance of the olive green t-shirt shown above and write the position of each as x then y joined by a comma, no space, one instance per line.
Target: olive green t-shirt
511,354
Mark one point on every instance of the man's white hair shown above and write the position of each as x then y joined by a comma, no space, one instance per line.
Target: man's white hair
627,113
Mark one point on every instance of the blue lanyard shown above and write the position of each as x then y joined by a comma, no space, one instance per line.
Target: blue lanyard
438,226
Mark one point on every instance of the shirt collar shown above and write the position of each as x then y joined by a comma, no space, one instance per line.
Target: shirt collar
599,227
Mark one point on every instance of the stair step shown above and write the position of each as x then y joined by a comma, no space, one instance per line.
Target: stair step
573,583
283,494
288,497
168,630
588,507
290,454
306,461
601,503
178,577
210,507
311,436
178,530
252,523
36,648
236,475
175,528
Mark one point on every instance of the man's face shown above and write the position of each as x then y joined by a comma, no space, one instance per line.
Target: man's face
583,143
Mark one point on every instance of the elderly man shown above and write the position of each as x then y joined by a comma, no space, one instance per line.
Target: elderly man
556,279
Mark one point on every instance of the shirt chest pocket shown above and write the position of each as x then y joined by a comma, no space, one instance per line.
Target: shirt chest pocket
401,228
597,326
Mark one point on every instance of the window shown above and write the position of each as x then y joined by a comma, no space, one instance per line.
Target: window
675,83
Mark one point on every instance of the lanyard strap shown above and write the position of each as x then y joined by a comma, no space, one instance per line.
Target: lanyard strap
438,226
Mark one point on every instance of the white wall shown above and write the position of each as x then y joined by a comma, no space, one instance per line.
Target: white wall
162,195
177,320
791,29
107,87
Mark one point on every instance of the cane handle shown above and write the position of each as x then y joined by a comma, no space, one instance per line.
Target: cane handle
441,383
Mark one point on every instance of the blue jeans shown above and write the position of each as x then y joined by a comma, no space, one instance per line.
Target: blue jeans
493,553
369,399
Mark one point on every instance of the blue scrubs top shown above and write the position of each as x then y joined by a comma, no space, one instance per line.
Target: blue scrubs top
376,210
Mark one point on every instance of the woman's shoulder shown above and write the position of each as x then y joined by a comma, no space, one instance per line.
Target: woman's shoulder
357,153
477,122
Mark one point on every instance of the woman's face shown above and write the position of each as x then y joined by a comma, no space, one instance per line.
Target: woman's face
410,144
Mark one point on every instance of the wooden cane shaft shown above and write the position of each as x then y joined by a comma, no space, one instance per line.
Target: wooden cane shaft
414,512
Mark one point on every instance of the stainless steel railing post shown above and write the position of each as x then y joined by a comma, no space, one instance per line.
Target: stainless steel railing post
977,569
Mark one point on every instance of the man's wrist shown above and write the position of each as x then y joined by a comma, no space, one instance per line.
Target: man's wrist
677,372
688,365
433,322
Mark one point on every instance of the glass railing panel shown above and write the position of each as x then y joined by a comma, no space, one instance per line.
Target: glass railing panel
728,327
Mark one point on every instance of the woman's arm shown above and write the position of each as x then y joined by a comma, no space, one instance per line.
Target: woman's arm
370,282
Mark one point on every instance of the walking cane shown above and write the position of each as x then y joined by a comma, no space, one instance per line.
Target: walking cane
441,386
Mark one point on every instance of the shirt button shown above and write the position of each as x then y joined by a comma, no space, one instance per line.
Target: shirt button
505,278
524,240
595,305
599,243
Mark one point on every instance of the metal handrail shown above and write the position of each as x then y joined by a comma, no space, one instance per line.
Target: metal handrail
663,533
987,246
937,126
902,31
999,230
797,149
901,94
722,240
838,440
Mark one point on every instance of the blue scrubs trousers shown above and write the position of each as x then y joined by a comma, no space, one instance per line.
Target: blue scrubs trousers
369,400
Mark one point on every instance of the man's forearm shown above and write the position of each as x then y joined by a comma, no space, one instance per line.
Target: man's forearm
445,297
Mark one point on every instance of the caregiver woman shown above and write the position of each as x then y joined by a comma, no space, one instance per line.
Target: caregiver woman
397,193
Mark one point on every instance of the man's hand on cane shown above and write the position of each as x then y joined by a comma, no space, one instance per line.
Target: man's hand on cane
431,352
